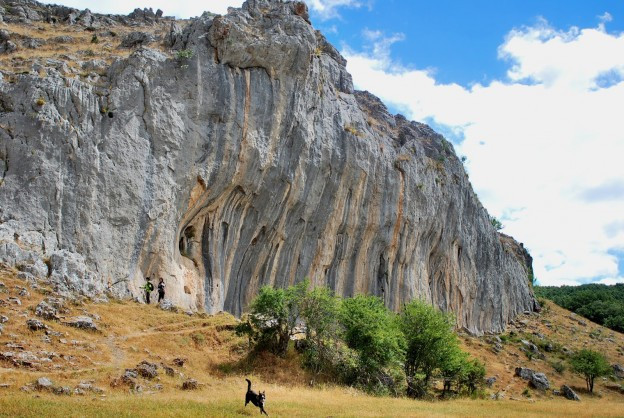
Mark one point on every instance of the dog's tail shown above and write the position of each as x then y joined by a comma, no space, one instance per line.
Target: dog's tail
248,384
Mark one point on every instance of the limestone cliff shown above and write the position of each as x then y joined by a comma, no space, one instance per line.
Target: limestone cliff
233,154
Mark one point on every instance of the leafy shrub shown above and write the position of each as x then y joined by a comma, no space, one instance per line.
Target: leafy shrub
184,54
360,342
272,318
431,345
558,366
319,310
372,332
496,223
472,376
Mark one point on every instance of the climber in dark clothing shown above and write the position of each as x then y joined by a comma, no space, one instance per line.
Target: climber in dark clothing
148,287
161,290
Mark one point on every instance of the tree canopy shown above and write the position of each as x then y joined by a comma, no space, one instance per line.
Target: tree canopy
597,302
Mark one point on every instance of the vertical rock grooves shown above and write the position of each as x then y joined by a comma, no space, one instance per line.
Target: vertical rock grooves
256,164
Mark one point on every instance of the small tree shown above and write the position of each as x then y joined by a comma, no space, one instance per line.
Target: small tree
590,364
371,330
272,318
496,223
319,310
431,345
472,375
451,370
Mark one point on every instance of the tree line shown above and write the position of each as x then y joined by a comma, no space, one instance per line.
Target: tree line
359,342
597,302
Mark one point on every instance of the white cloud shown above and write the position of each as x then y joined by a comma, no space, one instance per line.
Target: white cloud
545,146
611,280
328,9
182,9
605,17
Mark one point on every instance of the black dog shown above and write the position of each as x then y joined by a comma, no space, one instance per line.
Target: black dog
255,398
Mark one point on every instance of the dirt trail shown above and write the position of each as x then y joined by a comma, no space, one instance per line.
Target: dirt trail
155,331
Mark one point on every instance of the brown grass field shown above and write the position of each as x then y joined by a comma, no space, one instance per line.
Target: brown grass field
131,332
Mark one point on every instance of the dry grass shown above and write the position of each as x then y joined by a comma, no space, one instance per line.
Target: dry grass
217,358
353,130
224,398
80,48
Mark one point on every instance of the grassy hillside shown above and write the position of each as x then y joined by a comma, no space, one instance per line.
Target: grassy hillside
130,333
598,302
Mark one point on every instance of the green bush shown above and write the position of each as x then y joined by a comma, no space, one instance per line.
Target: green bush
431,345
591,364
319,310
184,54
472,376
558,366
272,318
359,341
372,332
496,223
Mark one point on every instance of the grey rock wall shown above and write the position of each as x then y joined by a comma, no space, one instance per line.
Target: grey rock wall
253,162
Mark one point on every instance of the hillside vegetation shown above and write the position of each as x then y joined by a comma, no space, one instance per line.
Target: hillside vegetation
597,302
89,369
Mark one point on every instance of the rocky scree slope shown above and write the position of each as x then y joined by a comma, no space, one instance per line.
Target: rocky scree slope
252,162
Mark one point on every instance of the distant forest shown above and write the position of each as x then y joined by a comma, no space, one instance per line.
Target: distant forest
597,302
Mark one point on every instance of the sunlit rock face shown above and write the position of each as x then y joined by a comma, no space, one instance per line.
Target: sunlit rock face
251,163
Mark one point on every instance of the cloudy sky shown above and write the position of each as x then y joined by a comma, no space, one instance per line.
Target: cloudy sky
531,92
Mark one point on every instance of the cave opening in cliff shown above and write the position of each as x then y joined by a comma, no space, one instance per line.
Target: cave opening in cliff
186,241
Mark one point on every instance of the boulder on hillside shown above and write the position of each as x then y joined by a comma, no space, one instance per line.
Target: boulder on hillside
539,381
43,383
618,371
35,324
189,384
532,348
535,379
168,370
166,305
82,322
179,361
62,390
568,393
147,370
134,39
46,311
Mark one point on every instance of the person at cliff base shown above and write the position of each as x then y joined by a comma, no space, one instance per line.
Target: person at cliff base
161,290
148,287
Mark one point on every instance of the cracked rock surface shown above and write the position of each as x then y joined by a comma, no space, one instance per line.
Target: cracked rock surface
250,162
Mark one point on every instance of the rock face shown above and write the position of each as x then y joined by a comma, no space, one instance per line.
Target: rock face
250,162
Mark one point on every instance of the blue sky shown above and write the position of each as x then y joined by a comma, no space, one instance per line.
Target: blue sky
459,38
530,91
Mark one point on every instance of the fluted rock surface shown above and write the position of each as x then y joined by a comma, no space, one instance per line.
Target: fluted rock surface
252,162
